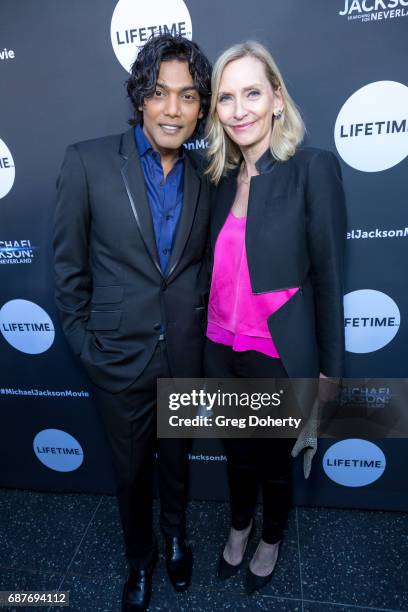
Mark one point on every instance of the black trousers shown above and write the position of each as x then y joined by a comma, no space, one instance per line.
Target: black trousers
129,420
250,461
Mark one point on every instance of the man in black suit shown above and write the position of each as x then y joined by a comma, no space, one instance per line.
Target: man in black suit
131,284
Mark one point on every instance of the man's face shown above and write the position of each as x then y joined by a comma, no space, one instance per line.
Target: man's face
170,115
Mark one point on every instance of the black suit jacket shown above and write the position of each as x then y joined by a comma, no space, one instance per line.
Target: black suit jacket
295,235
110,290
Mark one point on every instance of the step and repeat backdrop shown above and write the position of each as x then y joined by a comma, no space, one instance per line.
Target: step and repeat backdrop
63,65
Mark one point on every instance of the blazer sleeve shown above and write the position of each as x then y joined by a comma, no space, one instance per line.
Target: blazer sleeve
326,230
70,241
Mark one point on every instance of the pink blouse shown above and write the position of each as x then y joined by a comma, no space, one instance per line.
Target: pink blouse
236,316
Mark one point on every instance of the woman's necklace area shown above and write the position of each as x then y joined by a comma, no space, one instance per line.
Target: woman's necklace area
241,174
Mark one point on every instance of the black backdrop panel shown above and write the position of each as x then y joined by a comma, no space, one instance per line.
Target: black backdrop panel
61,82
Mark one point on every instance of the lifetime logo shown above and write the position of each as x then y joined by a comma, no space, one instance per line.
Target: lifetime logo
370,322
143,34
26,326
353,463
29,327
5,162
373,128
58,451
135,21
7,169
7,54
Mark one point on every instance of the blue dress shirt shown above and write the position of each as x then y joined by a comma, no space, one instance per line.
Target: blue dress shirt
165,195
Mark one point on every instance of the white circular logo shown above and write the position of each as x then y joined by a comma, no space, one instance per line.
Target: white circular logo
371,320
7,170
371,131
134,21
58,450
26,326
354,462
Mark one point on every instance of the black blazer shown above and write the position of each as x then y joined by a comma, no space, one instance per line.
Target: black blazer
295,236
111,293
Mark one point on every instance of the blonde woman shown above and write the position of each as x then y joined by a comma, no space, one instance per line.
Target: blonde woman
275,309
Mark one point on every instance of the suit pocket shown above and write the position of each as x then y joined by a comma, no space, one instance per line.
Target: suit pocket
104,320
107,295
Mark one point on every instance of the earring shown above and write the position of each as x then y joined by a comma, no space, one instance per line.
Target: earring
277,113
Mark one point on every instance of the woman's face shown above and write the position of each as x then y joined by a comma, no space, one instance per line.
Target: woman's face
246,102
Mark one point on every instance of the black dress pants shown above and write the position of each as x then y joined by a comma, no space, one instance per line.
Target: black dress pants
129,420
250,461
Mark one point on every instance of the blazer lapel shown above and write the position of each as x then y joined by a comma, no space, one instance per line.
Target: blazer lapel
192,184
133,178
224,199
260,189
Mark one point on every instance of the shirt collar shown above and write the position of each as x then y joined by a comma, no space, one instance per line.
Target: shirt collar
143,145
265,162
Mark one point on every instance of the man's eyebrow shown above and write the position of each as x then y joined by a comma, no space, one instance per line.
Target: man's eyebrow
181,89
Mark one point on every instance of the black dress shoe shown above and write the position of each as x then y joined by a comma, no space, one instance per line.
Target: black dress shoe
225,569
179,562
137,589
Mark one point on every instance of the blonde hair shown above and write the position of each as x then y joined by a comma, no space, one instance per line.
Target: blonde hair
287,130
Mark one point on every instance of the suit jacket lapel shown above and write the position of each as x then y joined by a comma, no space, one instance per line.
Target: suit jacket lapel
192,184
133,178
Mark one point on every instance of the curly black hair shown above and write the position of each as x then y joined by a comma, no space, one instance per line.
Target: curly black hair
145,69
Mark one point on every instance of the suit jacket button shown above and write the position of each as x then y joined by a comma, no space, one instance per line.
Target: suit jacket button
157,326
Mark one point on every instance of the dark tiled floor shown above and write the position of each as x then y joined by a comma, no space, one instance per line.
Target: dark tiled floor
365,564
330,561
